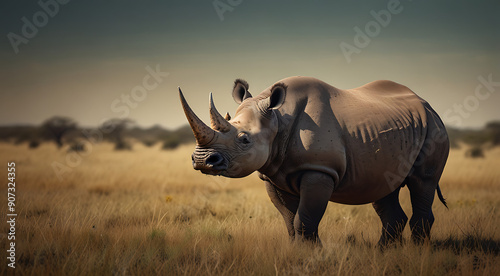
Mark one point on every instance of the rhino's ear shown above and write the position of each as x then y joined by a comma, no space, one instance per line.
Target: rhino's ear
240,91
277,98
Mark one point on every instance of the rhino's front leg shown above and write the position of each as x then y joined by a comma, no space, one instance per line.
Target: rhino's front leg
286,204
316,189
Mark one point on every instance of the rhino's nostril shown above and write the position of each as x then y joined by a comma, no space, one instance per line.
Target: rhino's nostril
214,159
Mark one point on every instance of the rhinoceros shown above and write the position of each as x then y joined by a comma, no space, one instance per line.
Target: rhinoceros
312,143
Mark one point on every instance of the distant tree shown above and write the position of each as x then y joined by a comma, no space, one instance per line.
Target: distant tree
173,139
22,136
123,145
171,143
475,138
114,130
493,129
19,134
149,142
34,144
474,152
56,127
77,146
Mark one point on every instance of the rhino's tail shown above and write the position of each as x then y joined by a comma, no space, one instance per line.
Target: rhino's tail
440,196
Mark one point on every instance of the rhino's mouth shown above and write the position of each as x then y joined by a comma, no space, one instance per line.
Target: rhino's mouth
213,172
213,163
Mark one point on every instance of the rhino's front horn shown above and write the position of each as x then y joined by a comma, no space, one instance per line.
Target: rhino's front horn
202,132
217,121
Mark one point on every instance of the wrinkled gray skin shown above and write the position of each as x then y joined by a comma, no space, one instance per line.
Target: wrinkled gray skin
313,143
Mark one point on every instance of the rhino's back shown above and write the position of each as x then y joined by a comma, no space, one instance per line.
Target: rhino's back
378,107
359,136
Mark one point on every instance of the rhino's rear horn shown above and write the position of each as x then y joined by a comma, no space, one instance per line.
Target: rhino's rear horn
218,122
203,133
227,116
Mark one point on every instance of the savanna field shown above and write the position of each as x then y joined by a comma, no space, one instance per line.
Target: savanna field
146,212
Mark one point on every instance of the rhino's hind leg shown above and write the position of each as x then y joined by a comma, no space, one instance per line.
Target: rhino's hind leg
422,196
424,178
392,216
422,190
286,204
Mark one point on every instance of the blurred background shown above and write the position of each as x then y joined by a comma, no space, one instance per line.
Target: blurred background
92,61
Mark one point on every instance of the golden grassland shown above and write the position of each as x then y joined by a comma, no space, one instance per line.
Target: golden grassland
147,211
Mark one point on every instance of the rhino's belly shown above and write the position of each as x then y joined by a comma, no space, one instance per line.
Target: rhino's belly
375,169
361,192
370,180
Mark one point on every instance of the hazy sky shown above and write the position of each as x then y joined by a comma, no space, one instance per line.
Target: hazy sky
89,59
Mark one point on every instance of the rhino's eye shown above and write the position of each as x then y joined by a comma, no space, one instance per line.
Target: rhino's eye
244,138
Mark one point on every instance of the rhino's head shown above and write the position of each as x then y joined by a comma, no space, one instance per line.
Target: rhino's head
239,146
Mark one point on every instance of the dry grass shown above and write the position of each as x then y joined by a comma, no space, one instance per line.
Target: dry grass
148,212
